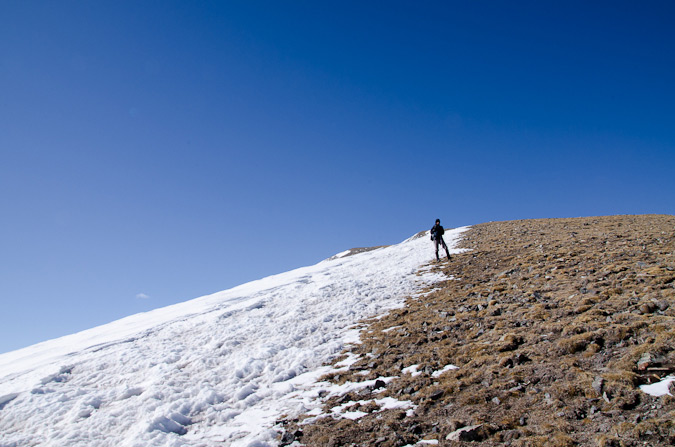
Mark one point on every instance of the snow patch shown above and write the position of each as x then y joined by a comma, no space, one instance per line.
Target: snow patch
412,370
220,369
440,372
658,389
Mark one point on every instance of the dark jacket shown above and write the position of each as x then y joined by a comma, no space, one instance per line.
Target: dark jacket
437,231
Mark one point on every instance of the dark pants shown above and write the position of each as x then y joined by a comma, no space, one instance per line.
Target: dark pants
439,241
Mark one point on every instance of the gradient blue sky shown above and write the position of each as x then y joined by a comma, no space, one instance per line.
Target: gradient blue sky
156,151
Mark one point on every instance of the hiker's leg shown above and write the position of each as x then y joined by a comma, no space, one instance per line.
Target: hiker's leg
447,252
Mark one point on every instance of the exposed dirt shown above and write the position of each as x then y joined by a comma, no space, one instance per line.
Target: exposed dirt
553,324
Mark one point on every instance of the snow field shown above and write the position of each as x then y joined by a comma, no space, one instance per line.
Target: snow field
217,370
660,388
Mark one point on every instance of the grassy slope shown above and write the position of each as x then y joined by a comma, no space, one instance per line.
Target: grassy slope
548,321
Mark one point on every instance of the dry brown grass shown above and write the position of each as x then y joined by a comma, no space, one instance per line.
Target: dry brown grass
547,322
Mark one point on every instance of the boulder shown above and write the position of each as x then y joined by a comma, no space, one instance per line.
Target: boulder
647,360
470,433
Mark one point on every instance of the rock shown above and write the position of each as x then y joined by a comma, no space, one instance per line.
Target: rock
662,305
647,308
436,395
456,424
470,433
646,361
289,438
606,397
415,428
379,383
522,358
598,384
506,362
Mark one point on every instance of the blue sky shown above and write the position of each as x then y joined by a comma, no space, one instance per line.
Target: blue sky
153,152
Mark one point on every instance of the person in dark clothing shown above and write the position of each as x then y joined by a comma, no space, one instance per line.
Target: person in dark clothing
437,232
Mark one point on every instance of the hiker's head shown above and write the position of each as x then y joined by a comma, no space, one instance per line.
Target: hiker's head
438,221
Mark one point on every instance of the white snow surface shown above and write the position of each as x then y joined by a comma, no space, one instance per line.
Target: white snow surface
659,389
216,370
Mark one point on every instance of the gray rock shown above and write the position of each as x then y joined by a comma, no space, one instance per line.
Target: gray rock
289,438
470,433
606,397
648,359
436,395
662,305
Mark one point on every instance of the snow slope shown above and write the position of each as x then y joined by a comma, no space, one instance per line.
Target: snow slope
216,370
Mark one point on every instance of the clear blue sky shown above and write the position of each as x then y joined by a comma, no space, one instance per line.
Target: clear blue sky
156,151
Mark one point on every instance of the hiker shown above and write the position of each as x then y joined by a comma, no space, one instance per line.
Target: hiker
437,236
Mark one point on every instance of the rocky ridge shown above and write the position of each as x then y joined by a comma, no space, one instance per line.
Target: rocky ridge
553,325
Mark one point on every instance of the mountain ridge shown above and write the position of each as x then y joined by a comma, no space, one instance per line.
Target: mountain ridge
536,332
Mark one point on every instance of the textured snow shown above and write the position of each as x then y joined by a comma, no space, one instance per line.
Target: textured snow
412,370
386,403
216,370
439,373
657,389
